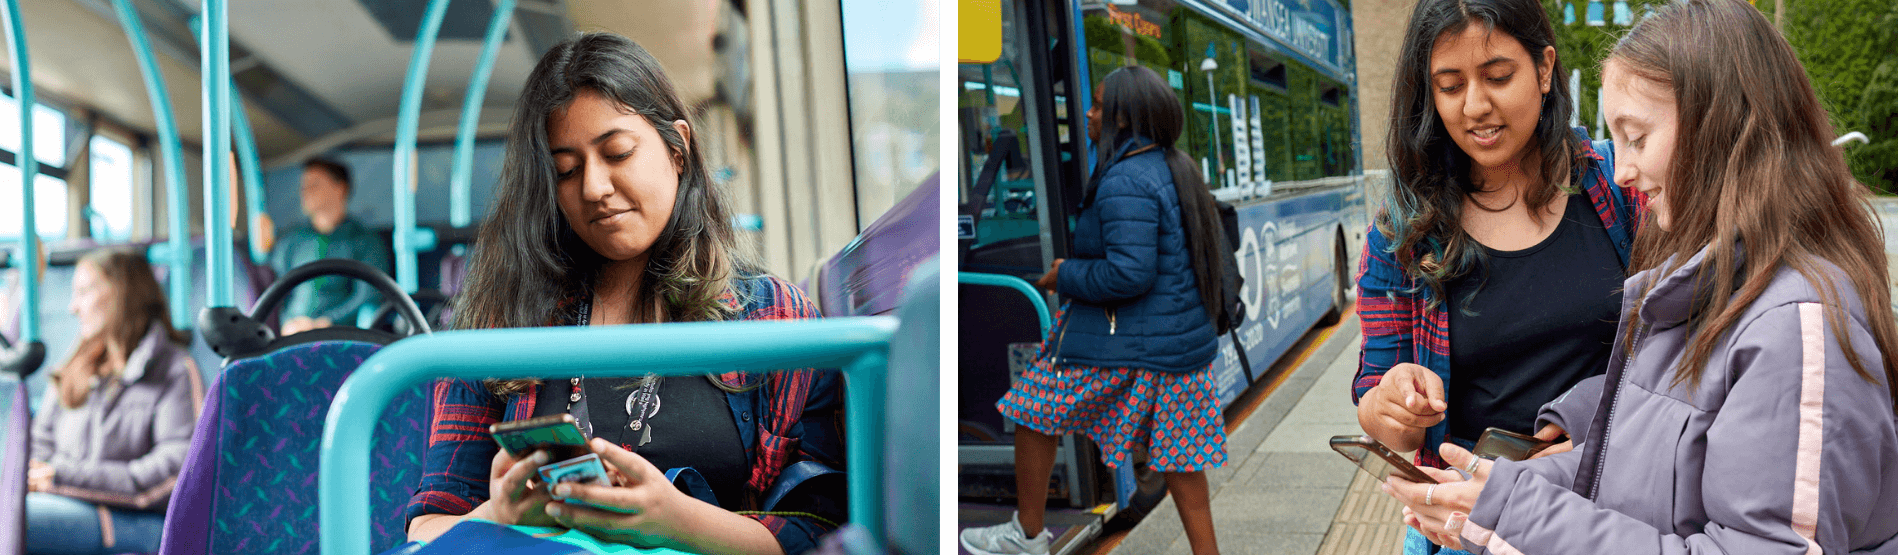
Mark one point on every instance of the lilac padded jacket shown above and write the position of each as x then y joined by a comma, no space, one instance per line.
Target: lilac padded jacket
125,446
1782,448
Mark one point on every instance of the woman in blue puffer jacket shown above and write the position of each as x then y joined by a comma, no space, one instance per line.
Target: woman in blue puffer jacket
1128,361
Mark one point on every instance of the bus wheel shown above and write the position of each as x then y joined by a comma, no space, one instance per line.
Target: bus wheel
1339,283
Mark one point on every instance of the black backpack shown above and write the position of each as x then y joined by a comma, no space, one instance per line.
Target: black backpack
1232,308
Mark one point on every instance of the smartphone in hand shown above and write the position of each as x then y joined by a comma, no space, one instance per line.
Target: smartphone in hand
557,434
1498,443
1378,460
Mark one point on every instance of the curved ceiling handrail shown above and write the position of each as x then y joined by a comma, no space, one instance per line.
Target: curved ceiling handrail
29,173
404,161
252,173
460,200
178,257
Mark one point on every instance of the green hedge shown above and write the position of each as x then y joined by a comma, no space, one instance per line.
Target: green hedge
1849,49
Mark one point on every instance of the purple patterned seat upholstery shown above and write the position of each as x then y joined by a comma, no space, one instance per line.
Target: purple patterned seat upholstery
13,467
249,482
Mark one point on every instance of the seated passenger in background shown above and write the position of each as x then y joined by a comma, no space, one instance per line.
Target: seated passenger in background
118,415
606,214
330,233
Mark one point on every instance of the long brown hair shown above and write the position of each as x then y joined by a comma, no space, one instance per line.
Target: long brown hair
1424,215
1774,187
135,304
1136,102
527,260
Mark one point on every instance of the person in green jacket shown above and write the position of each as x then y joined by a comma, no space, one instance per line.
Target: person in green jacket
330,233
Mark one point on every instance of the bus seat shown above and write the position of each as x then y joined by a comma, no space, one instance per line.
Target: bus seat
454,268
16,442
249,481
249,484
868,277
59,329
911,475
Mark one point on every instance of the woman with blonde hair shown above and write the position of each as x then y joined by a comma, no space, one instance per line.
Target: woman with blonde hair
112,433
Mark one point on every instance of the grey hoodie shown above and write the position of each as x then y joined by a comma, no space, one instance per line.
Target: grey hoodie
1781,449
125,445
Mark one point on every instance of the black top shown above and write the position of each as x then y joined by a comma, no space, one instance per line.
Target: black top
1542,319
694,426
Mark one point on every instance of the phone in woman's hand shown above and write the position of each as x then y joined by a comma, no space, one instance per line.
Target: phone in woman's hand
1498,443
1378,460
558,434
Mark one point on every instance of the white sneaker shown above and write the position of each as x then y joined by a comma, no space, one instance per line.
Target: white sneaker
1005,539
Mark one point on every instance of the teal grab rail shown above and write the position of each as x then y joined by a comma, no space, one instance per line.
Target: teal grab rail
178,255
251,168
460,200
214,52
1018,284
29,174
407,120
860,346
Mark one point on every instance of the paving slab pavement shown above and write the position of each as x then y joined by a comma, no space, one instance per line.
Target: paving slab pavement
1282,490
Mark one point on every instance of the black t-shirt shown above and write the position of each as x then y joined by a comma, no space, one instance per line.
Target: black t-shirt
694,426
1542,319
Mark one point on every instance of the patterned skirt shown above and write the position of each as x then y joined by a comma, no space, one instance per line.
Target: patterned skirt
1173,417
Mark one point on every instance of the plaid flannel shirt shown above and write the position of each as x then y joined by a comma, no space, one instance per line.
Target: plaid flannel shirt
796,416
1401,323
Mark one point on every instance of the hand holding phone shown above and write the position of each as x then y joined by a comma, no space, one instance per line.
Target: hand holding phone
558,434
569,458
1377,460
1498,443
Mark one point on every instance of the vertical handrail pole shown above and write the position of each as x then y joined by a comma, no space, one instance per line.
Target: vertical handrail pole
214,52
249,165
169,148
29,174
868,378
460,182
407,121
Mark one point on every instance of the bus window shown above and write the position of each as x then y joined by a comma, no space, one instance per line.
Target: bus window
998,190
109,208
890,54
49,133
49,148
1210,79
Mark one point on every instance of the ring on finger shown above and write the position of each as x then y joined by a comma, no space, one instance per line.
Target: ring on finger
1430,492
1473,462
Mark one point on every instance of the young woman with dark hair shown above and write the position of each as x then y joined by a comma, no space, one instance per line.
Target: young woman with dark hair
606,215
1749,407
111,436
1129,359
1491,279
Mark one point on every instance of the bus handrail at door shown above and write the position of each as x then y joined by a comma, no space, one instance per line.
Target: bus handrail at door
859,346
1018,284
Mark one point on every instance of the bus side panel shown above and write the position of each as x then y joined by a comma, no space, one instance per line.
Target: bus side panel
1285,252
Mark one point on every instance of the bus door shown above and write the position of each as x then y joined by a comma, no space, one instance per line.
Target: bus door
1022,122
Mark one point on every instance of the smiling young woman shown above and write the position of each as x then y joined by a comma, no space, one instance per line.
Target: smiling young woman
1749,407
1497,206
606,214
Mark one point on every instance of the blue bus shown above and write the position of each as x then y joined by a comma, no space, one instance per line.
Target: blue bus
1271,91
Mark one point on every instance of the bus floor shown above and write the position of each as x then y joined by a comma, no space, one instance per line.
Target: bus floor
1282,489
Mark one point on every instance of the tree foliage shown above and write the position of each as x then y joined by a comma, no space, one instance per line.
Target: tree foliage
1849,49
